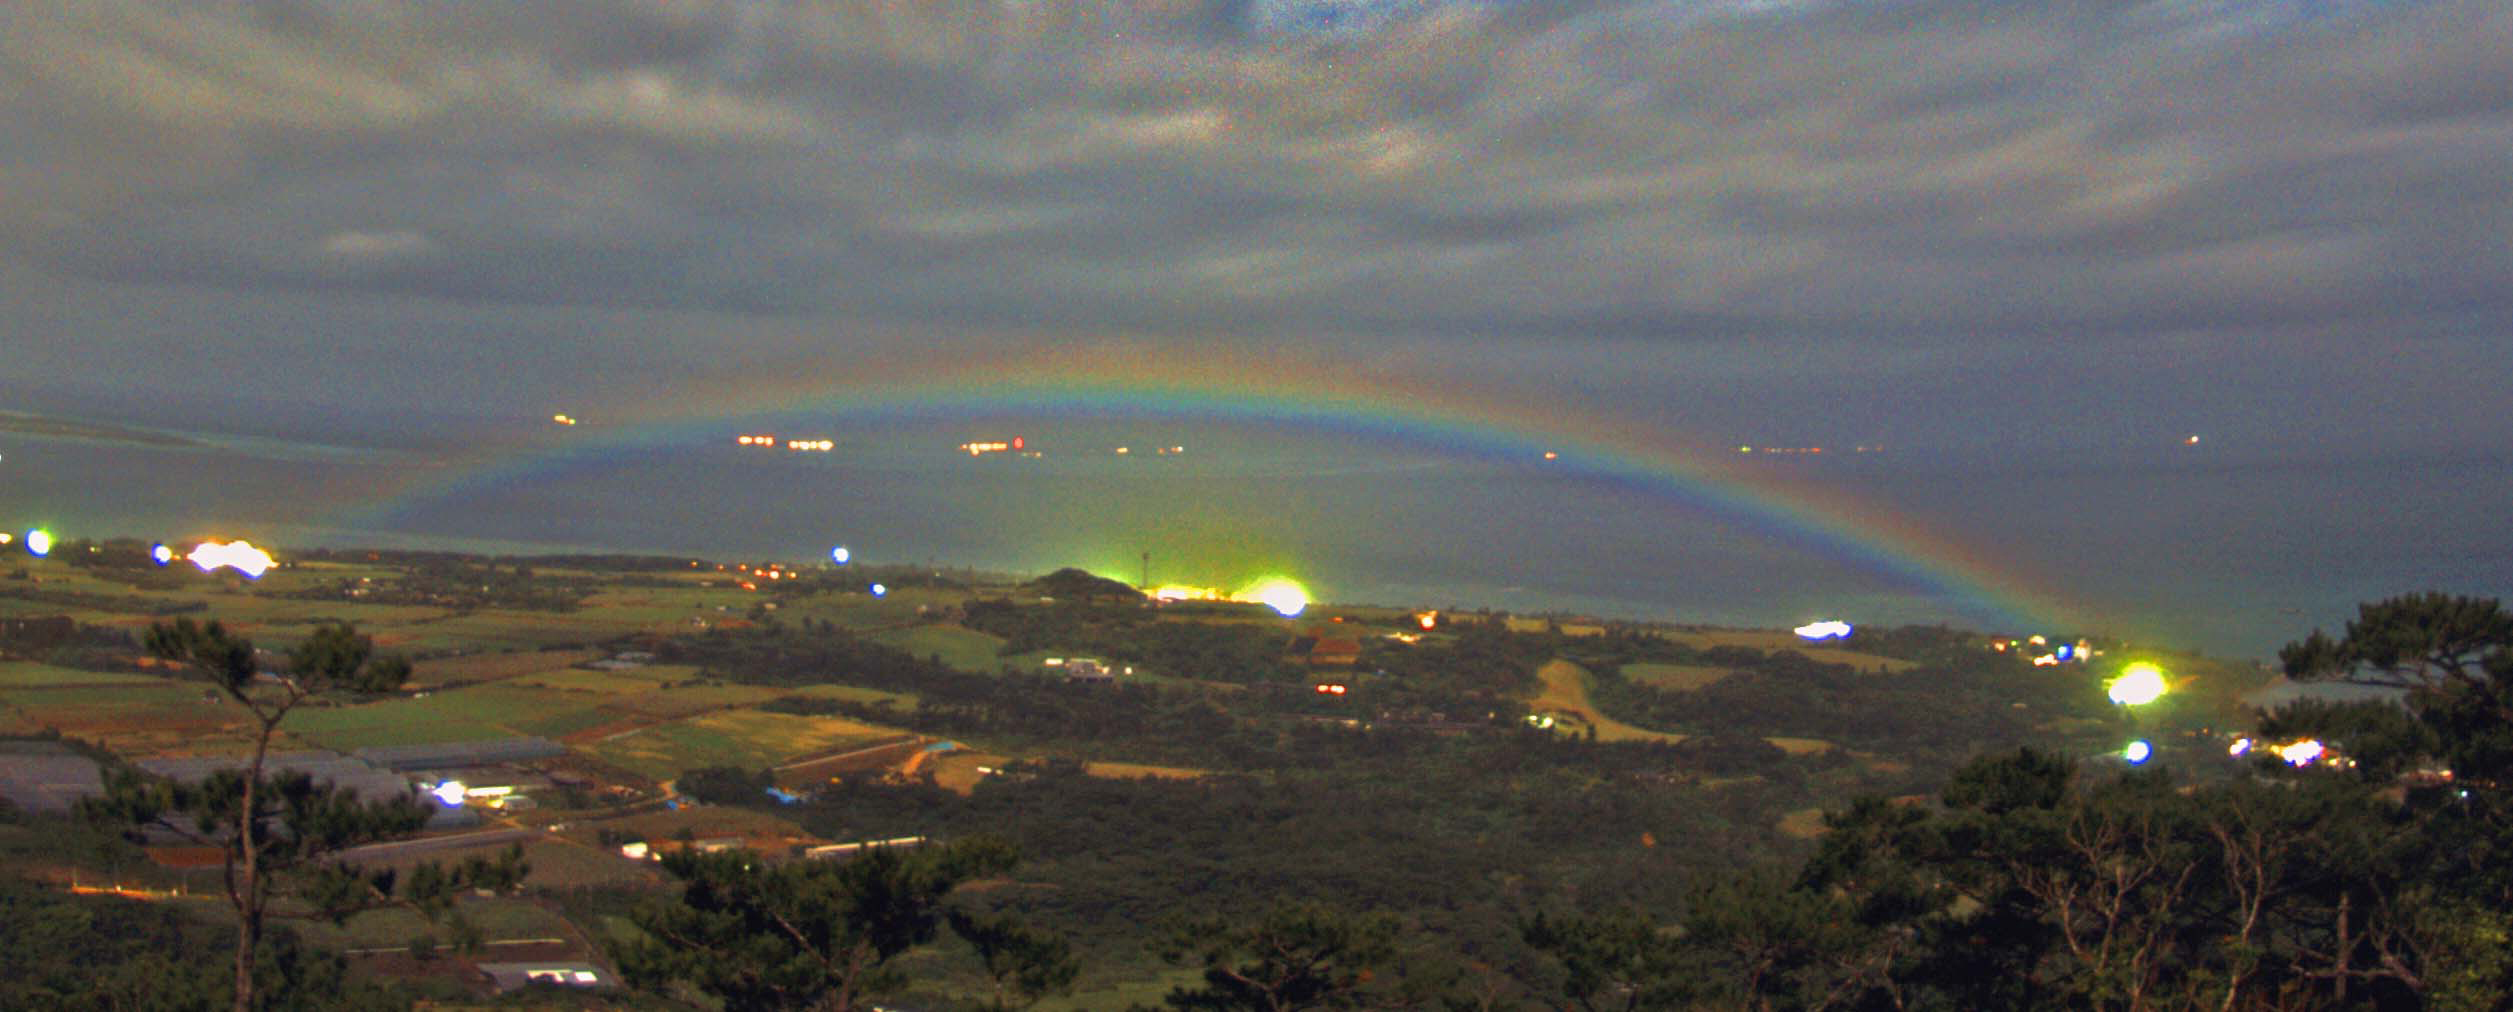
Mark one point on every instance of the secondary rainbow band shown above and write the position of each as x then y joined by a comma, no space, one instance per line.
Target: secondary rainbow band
1478,423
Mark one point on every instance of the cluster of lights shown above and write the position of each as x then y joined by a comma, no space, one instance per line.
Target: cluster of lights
210,556
766,441
1794,451
2078,652
2295,753
981,448
1332,688
563,419
1286,597
239,555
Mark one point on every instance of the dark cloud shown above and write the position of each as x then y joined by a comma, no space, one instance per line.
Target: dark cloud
1686,171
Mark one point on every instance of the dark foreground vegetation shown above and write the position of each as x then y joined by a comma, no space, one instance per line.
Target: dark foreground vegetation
1418,840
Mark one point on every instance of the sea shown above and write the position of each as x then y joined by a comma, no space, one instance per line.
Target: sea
2215,552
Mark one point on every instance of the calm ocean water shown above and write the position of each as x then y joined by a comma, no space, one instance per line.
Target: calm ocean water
2228,556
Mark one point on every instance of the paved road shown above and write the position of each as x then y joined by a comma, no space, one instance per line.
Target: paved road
406,848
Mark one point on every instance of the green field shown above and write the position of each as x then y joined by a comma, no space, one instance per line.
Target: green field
29,674
958,646
746,739
470,714
391,928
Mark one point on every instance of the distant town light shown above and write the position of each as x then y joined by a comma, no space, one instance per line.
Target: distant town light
2301,753
2138,685
161,554
1825,630
2241,747
880,591
1429,620
38,542
450,793
2138,752
239,555
840,555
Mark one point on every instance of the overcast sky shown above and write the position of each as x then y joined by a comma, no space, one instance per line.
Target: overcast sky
2291,222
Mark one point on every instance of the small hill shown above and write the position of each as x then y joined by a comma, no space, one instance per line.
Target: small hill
1070,584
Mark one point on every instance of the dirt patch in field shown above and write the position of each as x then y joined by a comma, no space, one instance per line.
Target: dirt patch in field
1803,824
1566,693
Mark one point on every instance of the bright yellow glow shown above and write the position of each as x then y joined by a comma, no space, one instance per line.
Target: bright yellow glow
240,556
2300,753
1429,620
1182,592
6,537
2240,747
563,419
1284,596
39,542
2138,685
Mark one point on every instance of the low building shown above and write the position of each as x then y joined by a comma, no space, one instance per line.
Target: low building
1320,651
517,976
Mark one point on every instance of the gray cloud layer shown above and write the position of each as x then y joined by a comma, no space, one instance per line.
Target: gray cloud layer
1690,169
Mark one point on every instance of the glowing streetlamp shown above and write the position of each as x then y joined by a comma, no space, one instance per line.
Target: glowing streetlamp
2138,685
1286,597
2138,752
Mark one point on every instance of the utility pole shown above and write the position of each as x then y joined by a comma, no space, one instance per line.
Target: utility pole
1147,572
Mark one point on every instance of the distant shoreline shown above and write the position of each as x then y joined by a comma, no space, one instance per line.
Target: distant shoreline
24,424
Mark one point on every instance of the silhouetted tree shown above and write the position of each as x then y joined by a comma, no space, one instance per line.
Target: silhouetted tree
1021,960
802,935
1294,956
281,831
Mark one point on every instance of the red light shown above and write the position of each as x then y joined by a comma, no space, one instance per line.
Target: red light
1016,442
